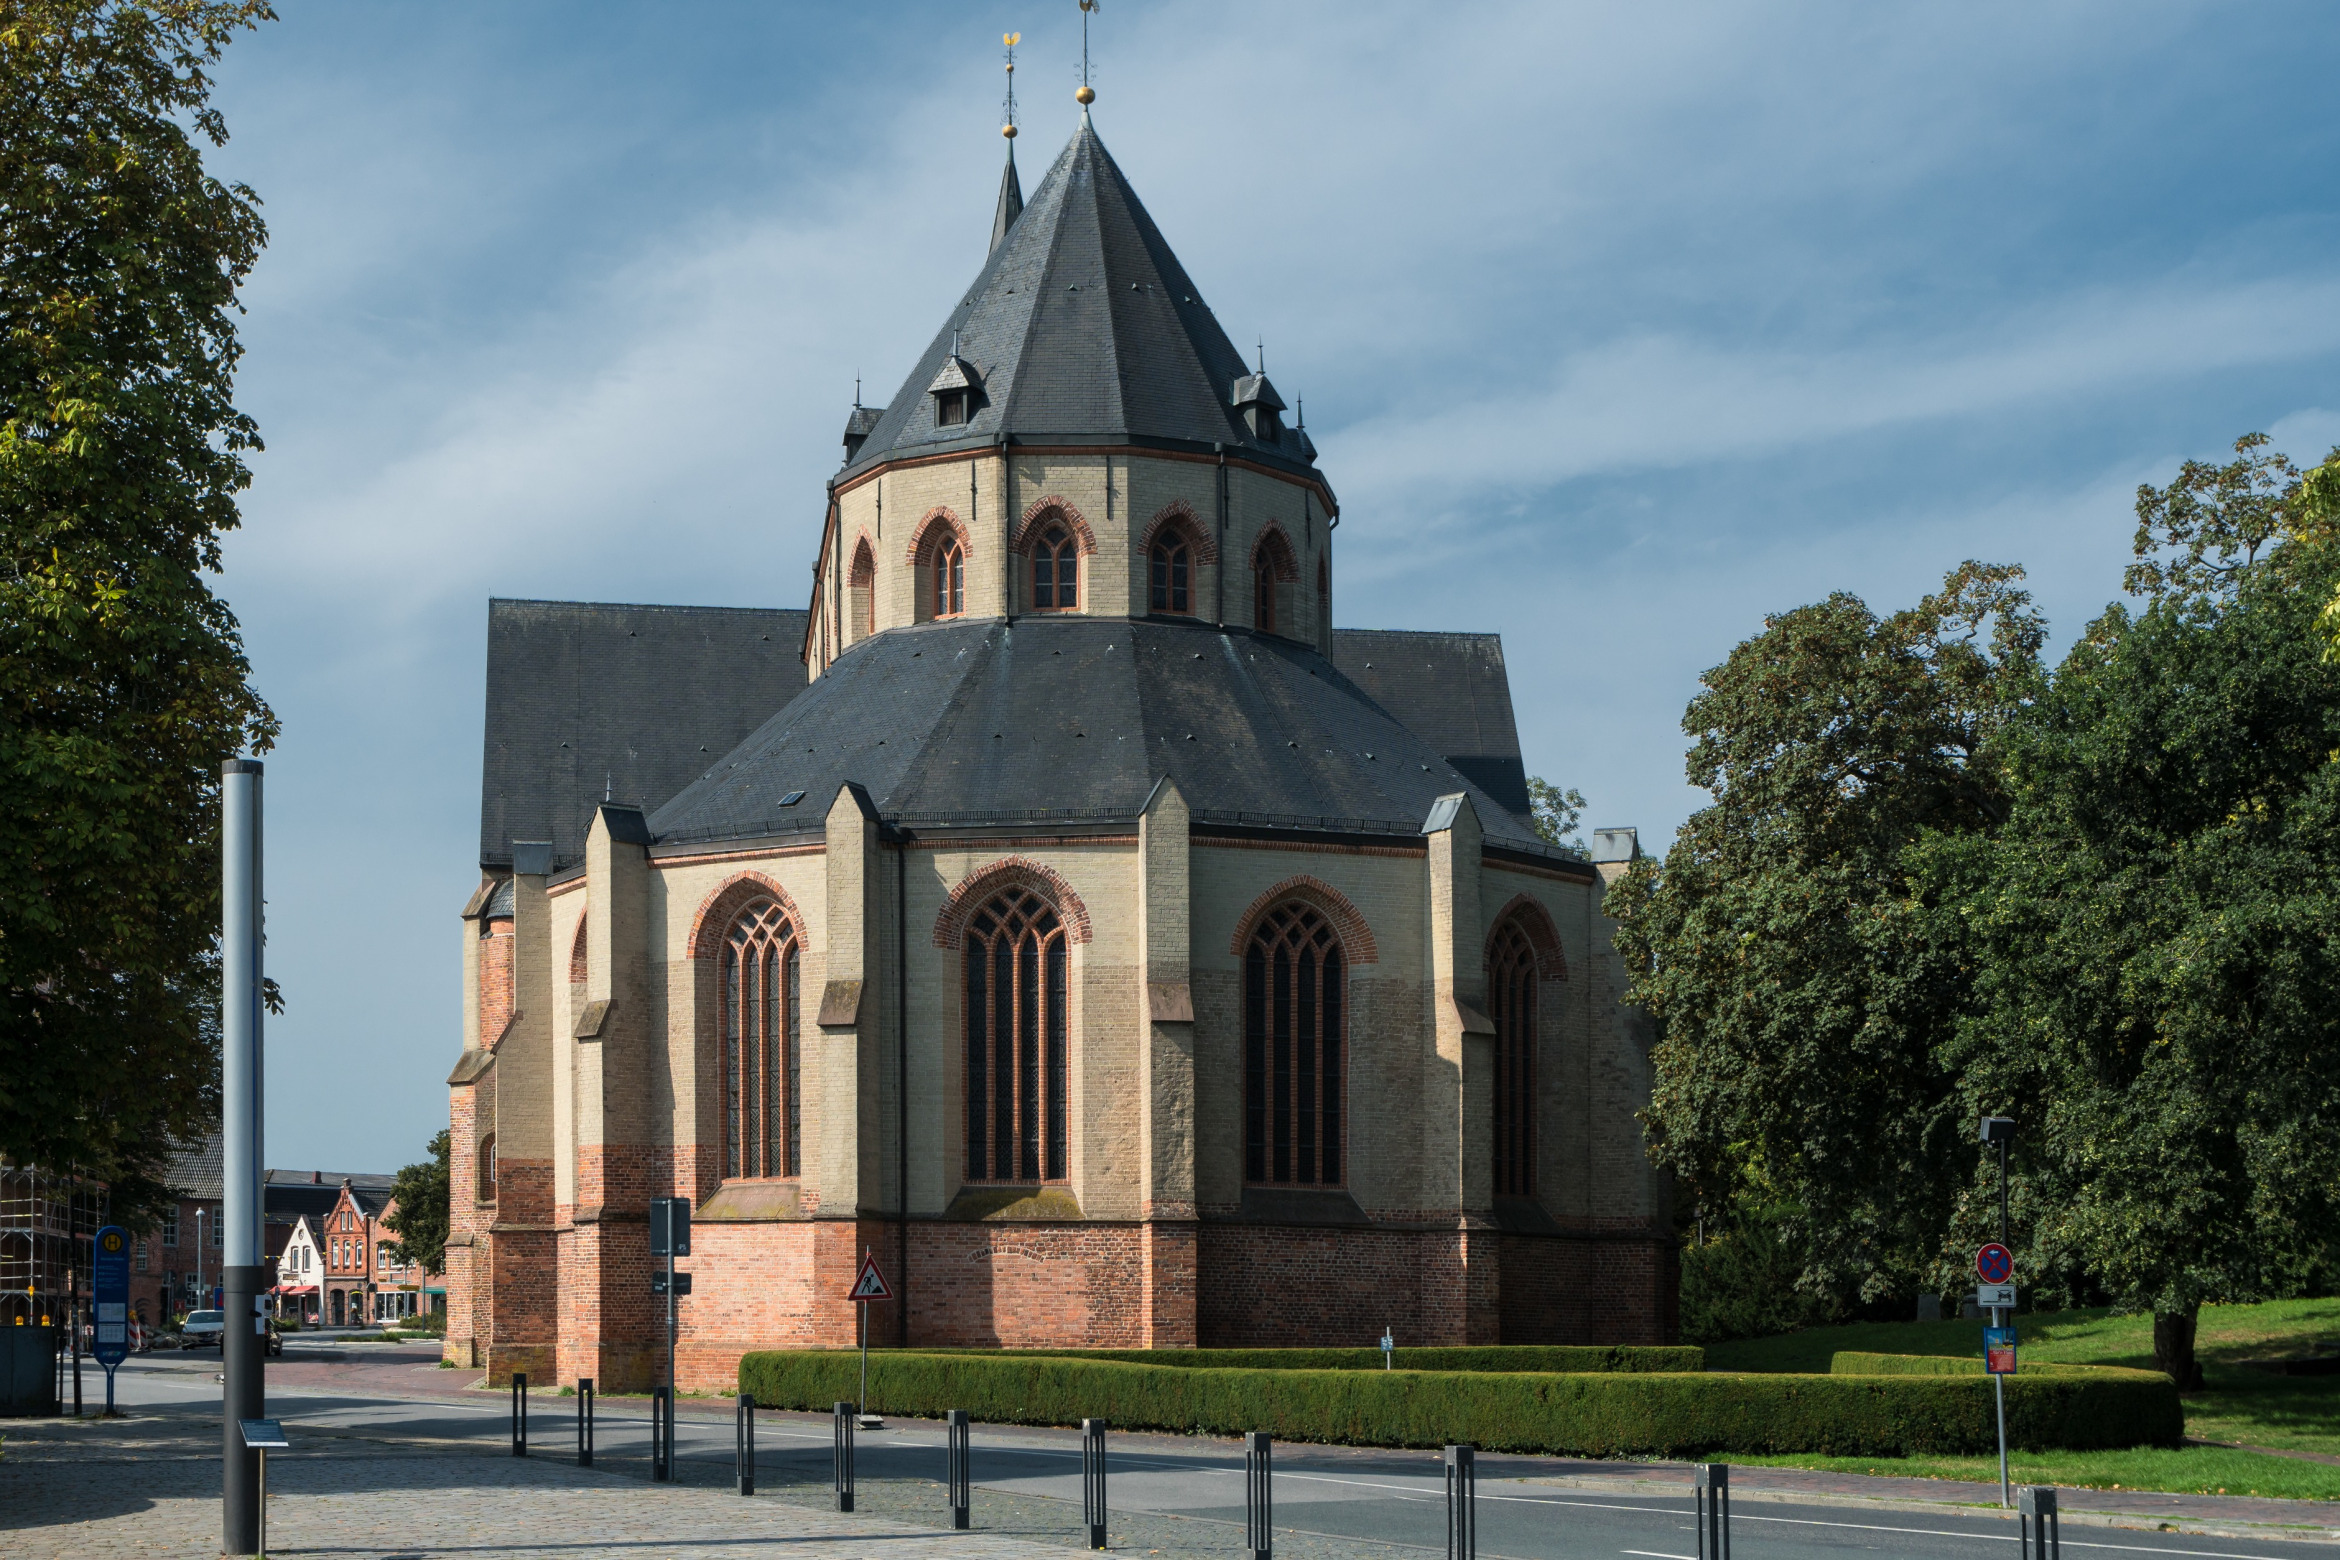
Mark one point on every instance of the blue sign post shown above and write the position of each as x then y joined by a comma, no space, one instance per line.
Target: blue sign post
110,1302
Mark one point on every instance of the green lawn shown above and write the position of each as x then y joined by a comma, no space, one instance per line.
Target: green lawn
2255,1408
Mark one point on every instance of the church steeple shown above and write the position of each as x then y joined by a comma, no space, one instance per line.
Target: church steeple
1011,193
1011,201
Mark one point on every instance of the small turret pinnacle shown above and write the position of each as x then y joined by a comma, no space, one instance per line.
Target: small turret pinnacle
1011,191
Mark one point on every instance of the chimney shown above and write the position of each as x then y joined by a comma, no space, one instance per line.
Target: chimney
316,1177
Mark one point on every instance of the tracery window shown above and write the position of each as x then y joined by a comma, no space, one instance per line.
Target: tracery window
950,578
1511,1002
1056,572
1263,596
1016,1025
1169,590
1294,982
762,1102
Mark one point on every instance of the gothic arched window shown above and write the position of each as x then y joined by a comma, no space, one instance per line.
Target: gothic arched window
1511,1002
762,1104
1056,572
1263,596
1016,1024
1293,985
1169,586
950,578
861,592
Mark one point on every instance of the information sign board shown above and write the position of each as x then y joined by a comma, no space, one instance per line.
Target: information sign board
109,1273
1999,1350
1995,1297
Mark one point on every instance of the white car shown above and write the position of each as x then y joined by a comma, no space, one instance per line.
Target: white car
203,1330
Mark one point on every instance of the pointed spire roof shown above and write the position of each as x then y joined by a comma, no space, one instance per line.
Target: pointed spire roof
1081,328
1011,202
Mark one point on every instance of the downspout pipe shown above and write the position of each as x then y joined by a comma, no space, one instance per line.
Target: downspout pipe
902,1077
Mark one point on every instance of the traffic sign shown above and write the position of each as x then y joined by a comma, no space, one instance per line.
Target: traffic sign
1995,1264
682,1283
871,1285
1995,1297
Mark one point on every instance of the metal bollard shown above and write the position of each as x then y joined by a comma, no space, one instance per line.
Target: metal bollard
843,1455
2037,1528
584,1421
660,1408
1093,1480
1462,1502
519,1413
1258,1497
1714,1511
955,1465
743,1450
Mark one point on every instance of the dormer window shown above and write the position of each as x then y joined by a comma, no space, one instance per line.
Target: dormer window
1256,402
956,389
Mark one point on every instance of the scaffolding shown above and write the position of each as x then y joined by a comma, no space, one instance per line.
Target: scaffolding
47,1223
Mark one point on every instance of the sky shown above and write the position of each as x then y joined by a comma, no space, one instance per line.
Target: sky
1617,328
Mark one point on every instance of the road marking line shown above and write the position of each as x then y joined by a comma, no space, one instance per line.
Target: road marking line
1656,1554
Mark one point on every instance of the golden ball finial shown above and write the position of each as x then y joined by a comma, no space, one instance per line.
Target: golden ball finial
1008,130
1085,96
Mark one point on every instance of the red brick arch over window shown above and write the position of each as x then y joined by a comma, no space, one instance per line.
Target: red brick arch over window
864,572
1273,549
1544,938
931,529
1036,521
1177,516
717,910
1348,923
977,887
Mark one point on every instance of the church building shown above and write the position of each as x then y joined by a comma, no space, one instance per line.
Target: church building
1059,909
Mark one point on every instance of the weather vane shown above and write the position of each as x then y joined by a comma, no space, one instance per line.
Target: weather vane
1009,129
1087,94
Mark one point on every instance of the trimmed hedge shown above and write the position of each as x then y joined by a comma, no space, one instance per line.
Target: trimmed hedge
1588,1414
1562,1359
1853,1363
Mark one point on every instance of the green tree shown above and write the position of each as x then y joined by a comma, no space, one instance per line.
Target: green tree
123,683
1799,987
2152,929
1558,815
420,1220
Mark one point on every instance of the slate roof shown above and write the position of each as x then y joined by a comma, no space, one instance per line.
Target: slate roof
1082,327
198,1170
640,699
1062,719
1452,691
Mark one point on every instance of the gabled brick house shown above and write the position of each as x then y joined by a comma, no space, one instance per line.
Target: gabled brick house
1059,908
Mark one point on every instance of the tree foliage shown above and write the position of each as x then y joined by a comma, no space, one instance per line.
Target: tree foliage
420,1220
1938,881
123,683
1558,815
2153,932
1799,990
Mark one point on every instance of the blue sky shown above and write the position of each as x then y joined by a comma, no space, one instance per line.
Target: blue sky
1618,328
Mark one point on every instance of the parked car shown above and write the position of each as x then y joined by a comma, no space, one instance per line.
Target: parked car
203,1330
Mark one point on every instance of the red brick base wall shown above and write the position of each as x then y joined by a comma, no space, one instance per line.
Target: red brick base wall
1271,1286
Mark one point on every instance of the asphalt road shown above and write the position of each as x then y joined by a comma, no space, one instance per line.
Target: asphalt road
1178,1496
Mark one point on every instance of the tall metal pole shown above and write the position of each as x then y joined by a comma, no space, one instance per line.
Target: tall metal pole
245,1395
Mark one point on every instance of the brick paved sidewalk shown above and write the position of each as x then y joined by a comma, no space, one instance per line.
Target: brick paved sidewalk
149,1486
